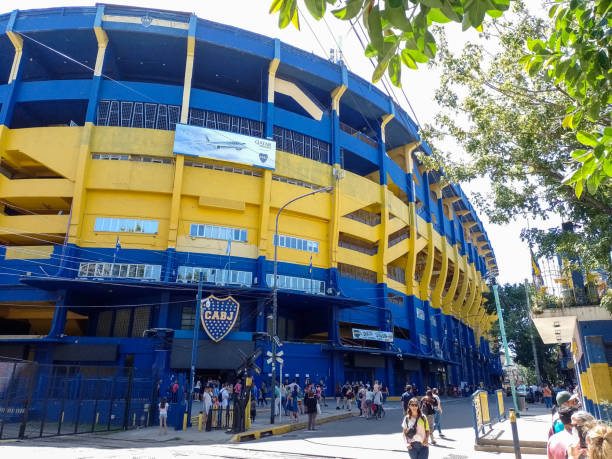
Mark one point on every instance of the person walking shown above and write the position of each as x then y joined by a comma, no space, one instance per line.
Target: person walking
163,415
277,401
438,414
547,394
348,396
406,396
385,393
323,391
206,404
294,403
310,403
338,395
428,407
416,431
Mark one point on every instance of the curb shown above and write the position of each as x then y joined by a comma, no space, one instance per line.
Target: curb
261,433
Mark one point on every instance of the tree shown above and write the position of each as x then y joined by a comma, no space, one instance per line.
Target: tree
398,30
509,125
518,327
574,54
575,57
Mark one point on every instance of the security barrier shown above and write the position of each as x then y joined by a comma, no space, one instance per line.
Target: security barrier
482,413
46,400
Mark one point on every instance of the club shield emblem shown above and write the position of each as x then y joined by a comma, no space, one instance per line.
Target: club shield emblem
218,316
263,157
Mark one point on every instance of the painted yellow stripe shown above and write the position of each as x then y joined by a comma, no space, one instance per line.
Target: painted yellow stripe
292,90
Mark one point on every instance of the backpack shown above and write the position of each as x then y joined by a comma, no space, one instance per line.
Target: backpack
426,407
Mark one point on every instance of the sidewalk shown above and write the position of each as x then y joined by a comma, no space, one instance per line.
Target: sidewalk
532,426
260,428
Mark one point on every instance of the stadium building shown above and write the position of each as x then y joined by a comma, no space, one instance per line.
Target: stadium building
107,225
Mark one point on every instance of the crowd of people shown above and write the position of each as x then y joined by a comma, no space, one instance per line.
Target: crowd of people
575,433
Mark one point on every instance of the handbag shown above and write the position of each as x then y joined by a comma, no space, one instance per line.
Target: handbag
318,408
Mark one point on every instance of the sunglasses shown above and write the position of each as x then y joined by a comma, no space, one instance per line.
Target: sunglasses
413,404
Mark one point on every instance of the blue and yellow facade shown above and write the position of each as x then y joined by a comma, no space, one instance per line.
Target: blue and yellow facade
104,229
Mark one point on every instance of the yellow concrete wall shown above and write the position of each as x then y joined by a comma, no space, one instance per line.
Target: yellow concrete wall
130,189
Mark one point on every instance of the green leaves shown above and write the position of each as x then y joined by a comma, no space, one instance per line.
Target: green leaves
586,139
576,56
404,23
287,12
395,71
316,8
349,11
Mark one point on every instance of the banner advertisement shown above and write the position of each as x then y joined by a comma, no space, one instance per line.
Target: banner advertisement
225,146
373,335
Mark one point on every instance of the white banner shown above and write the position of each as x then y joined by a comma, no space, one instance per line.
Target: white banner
225,146
373,335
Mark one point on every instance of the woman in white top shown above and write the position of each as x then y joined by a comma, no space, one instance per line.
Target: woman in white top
416,431
206,404
163,415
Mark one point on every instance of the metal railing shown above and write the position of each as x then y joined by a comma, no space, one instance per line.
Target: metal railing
46,400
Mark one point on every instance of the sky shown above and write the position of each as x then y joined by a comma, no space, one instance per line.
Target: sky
319,37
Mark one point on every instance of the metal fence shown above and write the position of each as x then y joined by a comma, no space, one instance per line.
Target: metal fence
45,400
487,412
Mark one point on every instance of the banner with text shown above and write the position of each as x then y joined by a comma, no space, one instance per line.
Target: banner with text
373,335
225,146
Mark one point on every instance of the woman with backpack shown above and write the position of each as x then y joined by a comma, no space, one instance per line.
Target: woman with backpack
416,431
428,406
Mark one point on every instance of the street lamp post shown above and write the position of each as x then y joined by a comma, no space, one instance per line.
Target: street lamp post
502,331
275,296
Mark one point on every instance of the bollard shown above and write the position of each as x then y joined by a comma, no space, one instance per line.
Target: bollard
134,420
200,422
515,437
185,421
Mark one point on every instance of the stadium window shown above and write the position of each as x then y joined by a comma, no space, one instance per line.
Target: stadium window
218,232
120,270
187,274
302,284
125,225
291,242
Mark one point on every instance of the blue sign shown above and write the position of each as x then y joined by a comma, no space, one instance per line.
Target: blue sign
218,316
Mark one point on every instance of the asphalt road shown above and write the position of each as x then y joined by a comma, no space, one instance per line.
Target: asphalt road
353,438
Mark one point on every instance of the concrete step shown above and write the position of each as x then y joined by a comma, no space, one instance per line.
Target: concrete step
522,443
510,449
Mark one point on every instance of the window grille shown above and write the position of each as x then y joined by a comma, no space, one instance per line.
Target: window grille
297,243
301,145
357,273
187,274
126,113
120,270
218,232
303,284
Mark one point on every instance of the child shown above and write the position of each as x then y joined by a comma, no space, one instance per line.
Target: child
163,415
253,411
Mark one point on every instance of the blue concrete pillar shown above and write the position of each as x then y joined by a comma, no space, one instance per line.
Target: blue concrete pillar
260,319
269,106
8,104
58,325
162,318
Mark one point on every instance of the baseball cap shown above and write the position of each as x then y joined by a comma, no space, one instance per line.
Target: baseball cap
563,397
